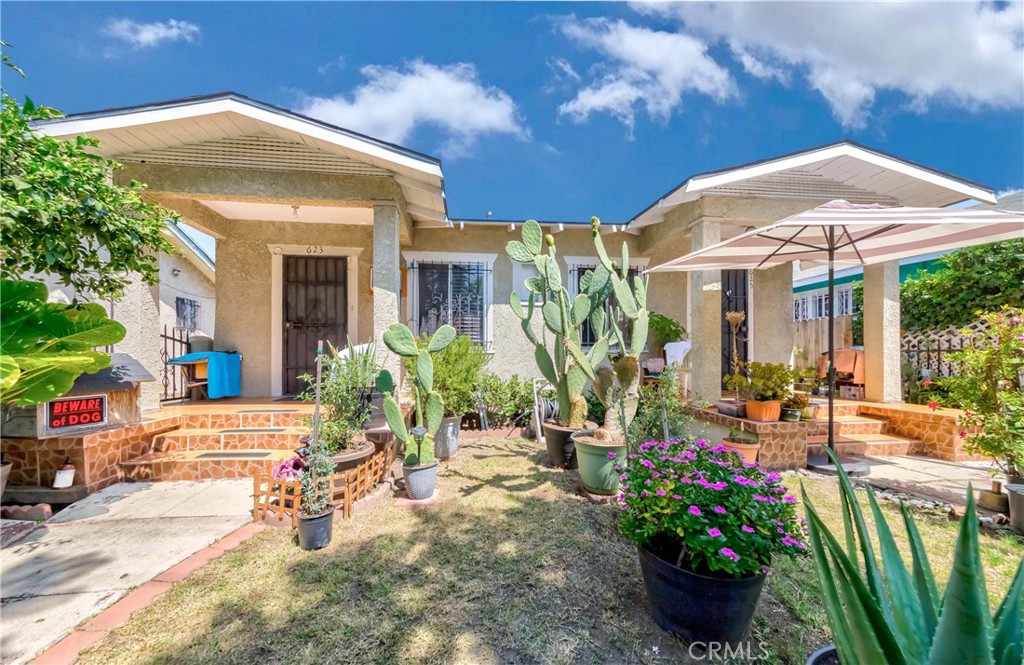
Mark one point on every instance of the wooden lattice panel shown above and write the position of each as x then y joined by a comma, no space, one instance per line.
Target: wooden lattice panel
929,349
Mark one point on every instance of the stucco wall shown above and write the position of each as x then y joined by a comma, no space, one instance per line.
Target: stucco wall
188,283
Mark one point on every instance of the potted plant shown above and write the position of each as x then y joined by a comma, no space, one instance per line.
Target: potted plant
420,467
316,514
802,402
770,384
889,613
345,390
458,370
557,351
662,415
665,330
746,446
790,411
706,525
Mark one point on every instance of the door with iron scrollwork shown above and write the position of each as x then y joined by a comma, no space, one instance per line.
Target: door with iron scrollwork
735,288
315,308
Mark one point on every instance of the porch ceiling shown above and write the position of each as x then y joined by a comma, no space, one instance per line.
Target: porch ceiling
280,212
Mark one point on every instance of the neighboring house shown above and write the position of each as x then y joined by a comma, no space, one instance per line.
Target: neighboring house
810,287
323,233
188,298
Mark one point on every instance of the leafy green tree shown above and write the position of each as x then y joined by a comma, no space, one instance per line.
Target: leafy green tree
61,214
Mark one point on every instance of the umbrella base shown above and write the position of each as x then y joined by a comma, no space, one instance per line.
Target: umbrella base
851,465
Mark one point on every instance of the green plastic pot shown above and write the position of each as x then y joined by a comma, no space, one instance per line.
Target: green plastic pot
597,469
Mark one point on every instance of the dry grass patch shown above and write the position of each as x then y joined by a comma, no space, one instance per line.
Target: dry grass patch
513,567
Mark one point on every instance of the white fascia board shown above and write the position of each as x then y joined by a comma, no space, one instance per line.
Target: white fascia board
420,211
74,127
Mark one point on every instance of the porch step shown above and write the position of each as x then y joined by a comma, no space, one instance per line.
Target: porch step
876,445
202,464
820,405
229,438
248,418
853,425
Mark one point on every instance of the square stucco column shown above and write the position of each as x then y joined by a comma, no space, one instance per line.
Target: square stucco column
771,306
387,279
705,318
882,332
139,312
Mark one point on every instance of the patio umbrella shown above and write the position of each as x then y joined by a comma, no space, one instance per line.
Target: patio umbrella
843,233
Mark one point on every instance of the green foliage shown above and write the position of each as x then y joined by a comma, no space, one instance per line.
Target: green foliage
987,386
61,213
44,346
506,400
343,394
881,612
419,451
662,407
316,482
981,278
458,369
665,329
763,382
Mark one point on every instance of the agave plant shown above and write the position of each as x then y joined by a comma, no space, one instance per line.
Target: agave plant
884,613
429,405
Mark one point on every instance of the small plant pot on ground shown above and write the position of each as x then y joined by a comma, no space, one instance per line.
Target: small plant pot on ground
728,407
997,502
791,415
315,531
764,412
1016,495
596,460
747,449
561,449
824,656
420,481
697,608
446,441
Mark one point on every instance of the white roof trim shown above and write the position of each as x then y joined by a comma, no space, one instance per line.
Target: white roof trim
188,251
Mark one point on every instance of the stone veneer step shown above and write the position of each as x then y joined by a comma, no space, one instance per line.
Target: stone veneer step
283,438
854,425
245,419
199,465
877,445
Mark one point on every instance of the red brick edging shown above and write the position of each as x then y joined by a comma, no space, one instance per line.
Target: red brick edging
95,629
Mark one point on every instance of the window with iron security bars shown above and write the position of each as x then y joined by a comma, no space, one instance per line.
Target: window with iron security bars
587,336
458,294
187,314
814,304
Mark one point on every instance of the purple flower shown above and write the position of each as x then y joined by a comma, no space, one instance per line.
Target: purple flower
743,480
648,463
764,570
729,554
789,498
662,492
676,497
763,499
714,533
747,529
719,486
720,510
694,510
611,454
624,477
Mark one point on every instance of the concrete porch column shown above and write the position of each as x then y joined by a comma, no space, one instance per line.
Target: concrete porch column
387,279
705,318
882,332
771,307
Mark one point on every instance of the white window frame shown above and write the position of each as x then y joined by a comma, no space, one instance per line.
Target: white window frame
574,263
521,271
412,258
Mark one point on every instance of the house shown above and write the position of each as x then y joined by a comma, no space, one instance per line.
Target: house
188,299
324,233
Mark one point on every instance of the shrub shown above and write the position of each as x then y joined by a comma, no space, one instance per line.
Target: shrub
763,381
507,400
343,395
704,509
661,405
458,370
665,329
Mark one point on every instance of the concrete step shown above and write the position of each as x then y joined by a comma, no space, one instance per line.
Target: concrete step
202,464
876,445
229,438
255,417
853,425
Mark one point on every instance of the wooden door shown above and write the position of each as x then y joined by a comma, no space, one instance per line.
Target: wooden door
734,299
315,308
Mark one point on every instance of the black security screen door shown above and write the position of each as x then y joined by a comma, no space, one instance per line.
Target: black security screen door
315,307
734,299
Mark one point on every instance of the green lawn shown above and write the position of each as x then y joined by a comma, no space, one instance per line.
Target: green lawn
511,567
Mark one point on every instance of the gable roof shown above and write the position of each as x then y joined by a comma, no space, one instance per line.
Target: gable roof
227,128
845,169
195,254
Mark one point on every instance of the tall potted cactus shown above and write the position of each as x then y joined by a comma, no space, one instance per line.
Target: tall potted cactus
420,467
558,348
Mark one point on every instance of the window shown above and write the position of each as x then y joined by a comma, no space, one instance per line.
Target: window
814,304
456,291
578,266
520,272
187,314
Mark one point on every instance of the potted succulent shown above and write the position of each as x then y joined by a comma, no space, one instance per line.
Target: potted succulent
802,402
887,612
458,370
344,401
706,525
420,466
770,384
739,441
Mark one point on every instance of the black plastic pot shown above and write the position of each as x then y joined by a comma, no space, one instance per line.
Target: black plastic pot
697,608
315,530
824,656
561,448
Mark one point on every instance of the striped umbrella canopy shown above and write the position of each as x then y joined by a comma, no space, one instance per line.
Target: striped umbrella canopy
852,234
844,233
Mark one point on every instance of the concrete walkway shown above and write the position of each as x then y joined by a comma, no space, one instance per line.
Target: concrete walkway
63,571
928,477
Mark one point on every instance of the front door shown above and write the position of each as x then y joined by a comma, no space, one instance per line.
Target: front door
734,299
315,308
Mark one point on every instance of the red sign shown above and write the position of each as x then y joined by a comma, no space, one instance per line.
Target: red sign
82,411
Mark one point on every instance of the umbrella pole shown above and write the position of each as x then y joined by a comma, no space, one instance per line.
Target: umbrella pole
831,335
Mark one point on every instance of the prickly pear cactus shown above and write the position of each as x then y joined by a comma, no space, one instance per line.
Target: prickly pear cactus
429,405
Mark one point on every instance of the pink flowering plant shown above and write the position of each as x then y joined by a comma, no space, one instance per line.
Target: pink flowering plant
704,509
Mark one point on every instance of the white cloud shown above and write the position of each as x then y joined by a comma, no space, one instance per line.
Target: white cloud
331,66
966,54
148,35
564,69
645,66
394,101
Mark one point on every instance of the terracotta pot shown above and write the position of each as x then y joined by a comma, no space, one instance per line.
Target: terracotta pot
765,412
748,450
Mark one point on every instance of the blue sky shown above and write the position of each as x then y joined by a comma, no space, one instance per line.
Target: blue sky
562,111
